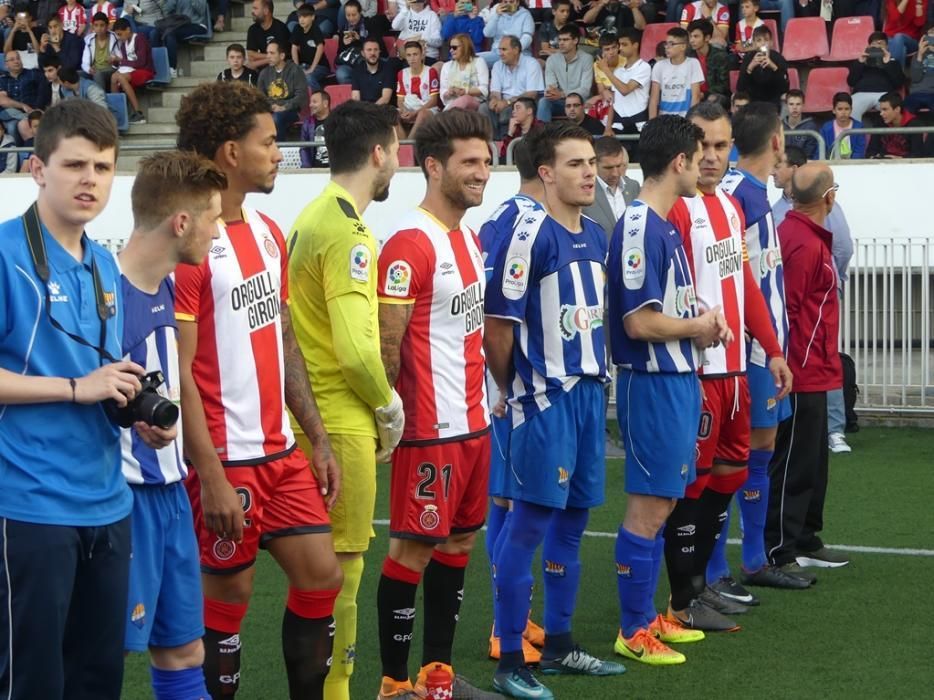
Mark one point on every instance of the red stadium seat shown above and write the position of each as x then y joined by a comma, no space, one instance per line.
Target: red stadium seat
330,52
734,79
773,25
794,81
406,156
338,93
850,37
805,38
653,34
823,84
389,42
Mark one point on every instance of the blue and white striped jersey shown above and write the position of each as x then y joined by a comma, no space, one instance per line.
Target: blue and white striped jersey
765,253
647,266
497,230
551,282
150,339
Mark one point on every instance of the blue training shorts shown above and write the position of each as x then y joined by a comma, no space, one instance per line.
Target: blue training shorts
765,411
499,453
557,457
165,606
658,416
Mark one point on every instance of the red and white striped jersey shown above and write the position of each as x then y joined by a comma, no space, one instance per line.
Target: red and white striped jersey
441,376
719,15
236,296
712,228
74,19
422,86
744,30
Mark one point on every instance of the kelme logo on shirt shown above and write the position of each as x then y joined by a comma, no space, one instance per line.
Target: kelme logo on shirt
515,277
360,263
398,279
579,319
55,292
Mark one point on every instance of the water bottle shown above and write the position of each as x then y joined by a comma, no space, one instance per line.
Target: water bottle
439,684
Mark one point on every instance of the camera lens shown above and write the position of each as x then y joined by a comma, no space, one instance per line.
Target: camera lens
155,410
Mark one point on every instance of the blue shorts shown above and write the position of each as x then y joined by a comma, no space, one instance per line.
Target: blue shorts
765,411
557,457
658,417
499,451
165,606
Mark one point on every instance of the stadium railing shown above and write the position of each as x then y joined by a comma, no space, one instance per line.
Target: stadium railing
512,144
869,131
821,146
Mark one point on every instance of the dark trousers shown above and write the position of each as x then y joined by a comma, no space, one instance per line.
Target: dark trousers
63,597
182,34
798,480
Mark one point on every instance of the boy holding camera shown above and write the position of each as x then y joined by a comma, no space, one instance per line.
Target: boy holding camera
873,74
764,73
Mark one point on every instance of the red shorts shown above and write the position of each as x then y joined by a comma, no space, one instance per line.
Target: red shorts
439,489
723,434
279,498
139,77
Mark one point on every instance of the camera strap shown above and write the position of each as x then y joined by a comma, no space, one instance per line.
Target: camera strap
40,262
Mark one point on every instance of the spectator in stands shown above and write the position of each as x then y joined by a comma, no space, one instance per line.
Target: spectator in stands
352,31
891,145
795,121
748,22
264,30
851,146
373,79
199,25
712,11
236,70
99,45
904,24
515,75
764,73
21,92
313,130
74,85
465,79
574,111
308,48
417,90
61,44
133,65
875,73
521,123
613,191
464,20
610,16
74,17
609,59
676,80
25,33
107,8
508,18
145,14
418,22
632,83
284,84
548,31
738,101
921,91
9,162
714,60
569,70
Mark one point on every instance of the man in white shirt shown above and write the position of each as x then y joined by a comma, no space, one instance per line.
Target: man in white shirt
631,80
676,80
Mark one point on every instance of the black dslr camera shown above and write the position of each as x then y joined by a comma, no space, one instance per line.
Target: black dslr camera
874,57
148,406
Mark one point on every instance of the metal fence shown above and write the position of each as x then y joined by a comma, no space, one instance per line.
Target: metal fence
887,320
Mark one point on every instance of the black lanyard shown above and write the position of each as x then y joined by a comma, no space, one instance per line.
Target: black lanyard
40,262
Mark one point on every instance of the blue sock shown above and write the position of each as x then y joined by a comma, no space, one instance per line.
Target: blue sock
658,557
754,504
495,522
183,684
562,570
635,570
524,532
717,565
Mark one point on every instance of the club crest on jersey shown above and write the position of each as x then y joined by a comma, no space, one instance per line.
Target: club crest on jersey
769,260
563,477
752,495
579,319
224,549
515,277
553,568
685,300
360,263
271,248
623,570
429,519
770,404
138,616
398,279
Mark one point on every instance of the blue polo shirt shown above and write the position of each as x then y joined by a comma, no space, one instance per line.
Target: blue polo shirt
59,462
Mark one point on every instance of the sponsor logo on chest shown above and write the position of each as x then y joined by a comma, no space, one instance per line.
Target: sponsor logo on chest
258,298
579,319
769,260
469,305
725,256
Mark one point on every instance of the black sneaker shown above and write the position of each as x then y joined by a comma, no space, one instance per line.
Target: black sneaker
823,558
137,118
792,569
722,605
726,587
697,616
774,577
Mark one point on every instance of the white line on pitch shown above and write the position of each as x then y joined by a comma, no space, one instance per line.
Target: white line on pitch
901,551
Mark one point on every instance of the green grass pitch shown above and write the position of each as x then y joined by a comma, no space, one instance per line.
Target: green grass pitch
861,632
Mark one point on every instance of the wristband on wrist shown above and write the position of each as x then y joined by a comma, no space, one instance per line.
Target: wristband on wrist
74,387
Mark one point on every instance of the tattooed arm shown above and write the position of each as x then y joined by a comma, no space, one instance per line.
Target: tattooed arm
300,399
393,321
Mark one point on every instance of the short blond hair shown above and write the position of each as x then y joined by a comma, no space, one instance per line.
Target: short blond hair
173,181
